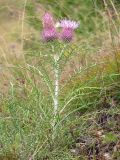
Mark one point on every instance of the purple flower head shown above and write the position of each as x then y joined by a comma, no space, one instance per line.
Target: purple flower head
68,29
49,34
47,20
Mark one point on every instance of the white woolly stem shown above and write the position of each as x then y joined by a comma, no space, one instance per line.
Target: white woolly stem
57,58
56,89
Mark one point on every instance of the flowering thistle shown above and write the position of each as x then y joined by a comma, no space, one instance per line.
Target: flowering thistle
49,33
68,29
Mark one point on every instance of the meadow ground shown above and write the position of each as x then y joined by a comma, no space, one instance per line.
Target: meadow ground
88,117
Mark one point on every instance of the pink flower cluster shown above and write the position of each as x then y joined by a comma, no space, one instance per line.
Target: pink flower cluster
49,31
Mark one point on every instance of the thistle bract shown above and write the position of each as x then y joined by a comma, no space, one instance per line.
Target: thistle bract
49,34
67,34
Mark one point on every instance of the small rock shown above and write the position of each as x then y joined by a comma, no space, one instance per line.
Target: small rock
107,156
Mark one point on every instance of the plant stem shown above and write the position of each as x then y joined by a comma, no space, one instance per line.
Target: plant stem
56,89
56,92
57,58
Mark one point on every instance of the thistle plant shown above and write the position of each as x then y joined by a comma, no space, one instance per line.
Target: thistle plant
49,35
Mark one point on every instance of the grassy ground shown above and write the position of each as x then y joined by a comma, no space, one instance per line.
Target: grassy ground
89,99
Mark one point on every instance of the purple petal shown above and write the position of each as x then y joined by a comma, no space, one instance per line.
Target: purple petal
48,20
69,24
